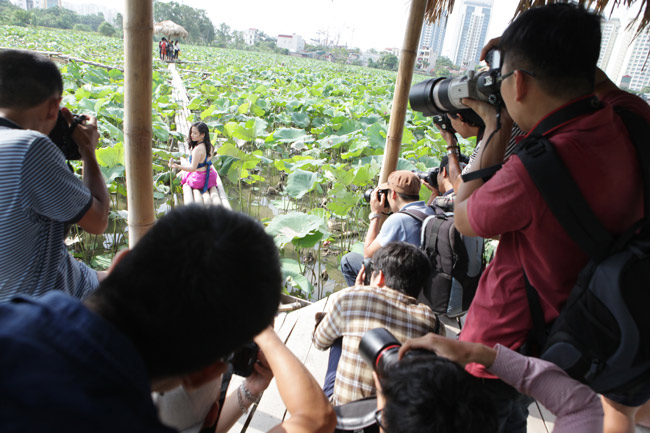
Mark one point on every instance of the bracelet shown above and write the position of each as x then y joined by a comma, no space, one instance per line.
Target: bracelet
242,408
374,215
249,395
453,150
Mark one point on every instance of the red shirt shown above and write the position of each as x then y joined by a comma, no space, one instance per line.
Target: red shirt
599,154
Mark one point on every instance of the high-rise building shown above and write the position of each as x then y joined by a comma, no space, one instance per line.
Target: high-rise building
473,29
610,30
637,66
26,4
433,34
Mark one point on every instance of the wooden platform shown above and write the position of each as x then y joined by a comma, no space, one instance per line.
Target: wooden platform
215,195
296,329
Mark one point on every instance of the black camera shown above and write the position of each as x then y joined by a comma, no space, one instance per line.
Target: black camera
430,177
443,123
378,348
243,359
443,95
368,195
367,264
61,135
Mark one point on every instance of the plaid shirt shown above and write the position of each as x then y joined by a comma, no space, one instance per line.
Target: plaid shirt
352,313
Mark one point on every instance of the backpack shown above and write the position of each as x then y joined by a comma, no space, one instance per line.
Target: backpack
457,262
602,335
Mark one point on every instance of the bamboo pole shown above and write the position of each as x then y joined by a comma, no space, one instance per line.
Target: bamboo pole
402,87
138,36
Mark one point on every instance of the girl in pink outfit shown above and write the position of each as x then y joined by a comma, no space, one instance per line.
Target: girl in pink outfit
201,152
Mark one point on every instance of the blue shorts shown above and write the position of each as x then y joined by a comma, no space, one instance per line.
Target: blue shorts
633,398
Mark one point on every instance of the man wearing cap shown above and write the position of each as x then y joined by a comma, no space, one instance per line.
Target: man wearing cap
401,191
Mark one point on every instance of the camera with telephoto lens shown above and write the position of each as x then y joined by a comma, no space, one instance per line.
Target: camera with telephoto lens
443,123
368,195
378,348
430,177
61,135
243,359
443,95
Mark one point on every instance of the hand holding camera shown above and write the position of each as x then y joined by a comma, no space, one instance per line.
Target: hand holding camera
75,135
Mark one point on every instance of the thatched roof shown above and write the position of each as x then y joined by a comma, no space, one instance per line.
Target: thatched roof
170,28
435,8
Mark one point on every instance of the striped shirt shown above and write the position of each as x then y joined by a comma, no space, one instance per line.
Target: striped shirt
511,147
39,195
354,311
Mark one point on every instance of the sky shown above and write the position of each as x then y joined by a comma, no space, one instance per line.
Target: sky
365,24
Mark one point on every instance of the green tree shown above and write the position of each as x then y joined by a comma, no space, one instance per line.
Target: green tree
223,36
119,21
388,61
106,29
199,27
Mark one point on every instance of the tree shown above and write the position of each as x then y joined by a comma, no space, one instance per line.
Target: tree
388,61
119,21
106,29
223,36
199,27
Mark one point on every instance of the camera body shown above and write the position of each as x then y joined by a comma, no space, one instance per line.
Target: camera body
379,348
430,177
61,135
243,359
443,123
367,264
367,195
443,95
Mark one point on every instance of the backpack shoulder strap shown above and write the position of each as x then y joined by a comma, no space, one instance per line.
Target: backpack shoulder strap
563,197
417,214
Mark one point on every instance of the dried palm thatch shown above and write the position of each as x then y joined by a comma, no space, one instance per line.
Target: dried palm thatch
435,9
170,28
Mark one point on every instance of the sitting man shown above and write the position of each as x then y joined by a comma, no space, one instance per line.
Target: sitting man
546,69
425,392
401,191
399,271
40,195
162,317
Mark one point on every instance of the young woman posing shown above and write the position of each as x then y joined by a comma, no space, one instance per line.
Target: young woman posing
201,152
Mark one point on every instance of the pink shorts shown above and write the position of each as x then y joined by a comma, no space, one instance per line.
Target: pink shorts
196,179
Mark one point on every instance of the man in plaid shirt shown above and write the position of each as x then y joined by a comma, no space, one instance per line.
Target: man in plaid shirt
390,301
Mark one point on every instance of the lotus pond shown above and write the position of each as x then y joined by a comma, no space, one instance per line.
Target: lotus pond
298,140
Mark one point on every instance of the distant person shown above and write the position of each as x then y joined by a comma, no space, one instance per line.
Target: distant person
162,48
200,174
177,49
200,283
39,195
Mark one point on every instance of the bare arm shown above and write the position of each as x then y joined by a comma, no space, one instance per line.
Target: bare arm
371,244
95,220
198,156
489,154
310,411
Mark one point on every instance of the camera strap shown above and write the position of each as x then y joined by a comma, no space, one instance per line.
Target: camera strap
557,119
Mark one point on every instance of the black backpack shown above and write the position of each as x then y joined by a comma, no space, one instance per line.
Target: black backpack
602,335
457,263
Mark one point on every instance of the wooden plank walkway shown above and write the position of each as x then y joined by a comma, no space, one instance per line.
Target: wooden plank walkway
215,195
296,329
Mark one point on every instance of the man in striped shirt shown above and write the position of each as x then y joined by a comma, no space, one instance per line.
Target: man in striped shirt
390,301
39,195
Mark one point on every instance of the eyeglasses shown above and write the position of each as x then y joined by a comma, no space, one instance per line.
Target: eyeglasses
379,419
503,77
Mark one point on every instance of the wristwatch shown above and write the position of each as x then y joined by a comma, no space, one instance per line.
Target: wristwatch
374,215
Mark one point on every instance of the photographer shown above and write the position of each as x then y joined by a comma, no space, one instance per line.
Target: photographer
159,320
401,191
443,196
545,69
399,272
39,193
425,392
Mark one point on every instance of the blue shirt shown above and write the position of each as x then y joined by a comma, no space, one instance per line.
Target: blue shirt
402,227
65,369
39,195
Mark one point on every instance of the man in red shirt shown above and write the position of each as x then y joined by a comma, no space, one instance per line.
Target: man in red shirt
546,67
